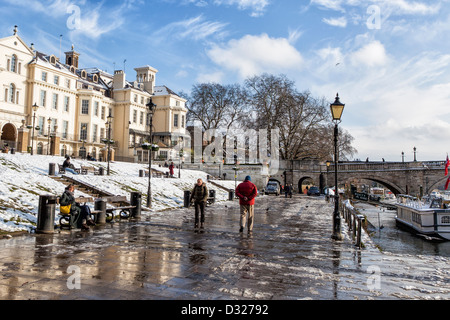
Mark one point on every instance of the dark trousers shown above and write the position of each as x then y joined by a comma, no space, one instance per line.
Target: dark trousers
199,211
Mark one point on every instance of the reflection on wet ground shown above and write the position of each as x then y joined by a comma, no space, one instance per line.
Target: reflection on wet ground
289,256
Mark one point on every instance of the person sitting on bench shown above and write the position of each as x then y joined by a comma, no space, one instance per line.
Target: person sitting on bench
68,166
82,211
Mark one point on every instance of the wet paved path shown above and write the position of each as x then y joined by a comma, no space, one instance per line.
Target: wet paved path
289,256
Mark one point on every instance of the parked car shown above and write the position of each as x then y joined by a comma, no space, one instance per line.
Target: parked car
273,188
313,191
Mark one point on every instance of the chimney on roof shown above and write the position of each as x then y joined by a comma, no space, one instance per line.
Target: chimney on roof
72,58
119,80
146,75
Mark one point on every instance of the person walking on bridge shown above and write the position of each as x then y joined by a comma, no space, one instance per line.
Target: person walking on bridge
246,192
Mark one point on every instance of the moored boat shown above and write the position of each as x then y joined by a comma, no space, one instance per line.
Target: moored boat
429,217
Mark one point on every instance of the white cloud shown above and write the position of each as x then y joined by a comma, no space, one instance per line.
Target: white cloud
252,55
194,28
336,22
257,7
371,55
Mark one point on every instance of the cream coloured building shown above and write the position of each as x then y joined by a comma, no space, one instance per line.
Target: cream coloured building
74,107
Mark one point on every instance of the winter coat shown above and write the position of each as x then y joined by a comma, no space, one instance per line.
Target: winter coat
199,193
68,198
246,189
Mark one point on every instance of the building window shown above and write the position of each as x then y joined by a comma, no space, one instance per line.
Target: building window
94,133
96,108
85,107
66,104
175,120
43,98
44,76
41,125
103,113
182,121
141,118
55,101
68,83
83,131
56,80
65,132
134,116
14,63
12,93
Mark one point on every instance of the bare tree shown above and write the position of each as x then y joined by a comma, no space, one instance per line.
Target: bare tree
215,105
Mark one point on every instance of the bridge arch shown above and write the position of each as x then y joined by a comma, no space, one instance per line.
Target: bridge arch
302,180
396,189
436,184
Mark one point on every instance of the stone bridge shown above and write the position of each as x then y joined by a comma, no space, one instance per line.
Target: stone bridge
412,178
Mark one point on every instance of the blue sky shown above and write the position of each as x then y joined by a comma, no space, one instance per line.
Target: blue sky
388,59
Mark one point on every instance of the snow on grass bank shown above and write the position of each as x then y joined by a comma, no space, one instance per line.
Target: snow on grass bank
23,178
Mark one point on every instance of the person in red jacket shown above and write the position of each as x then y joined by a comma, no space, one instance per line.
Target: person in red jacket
246,192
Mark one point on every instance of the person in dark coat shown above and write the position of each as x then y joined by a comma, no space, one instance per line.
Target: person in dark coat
82,212
68,166
246,192
199,196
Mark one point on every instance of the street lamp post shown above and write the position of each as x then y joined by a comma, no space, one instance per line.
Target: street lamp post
109,126
49,121
336,111
83,140
35,109
151,109
179,166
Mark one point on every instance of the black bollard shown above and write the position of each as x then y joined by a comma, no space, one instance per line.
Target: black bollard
46,214
100,205
136,201
101,171
51,169
231,195
141,173
187,197
212,194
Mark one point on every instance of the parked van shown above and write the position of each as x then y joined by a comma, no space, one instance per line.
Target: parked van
273,188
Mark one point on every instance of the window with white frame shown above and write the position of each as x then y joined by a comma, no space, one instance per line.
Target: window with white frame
14,63
175,120
55,101
43,98
85,107
83,131
66,104
56,80
65,130
44,76
96,108
94,132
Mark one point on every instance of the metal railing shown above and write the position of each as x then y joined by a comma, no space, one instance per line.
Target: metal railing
354,220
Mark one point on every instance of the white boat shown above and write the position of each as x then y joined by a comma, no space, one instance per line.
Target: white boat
428,217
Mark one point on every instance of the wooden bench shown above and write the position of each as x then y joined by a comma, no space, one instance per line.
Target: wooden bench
62,170
156,174
70,221
121,204
86,170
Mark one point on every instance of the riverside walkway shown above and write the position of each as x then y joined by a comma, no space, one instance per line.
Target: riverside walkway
289,256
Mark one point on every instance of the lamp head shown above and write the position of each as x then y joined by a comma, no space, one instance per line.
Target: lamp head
337,108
